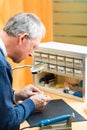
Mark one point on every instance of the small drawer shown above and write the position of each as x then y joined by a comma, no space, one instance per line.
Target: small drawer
44,57
78,72
52,58
52,67
60,60
69,71
78,63
69,61
37,56
61,69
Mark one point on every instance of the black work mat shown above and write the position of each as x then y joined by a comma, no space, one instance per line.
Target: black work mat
54,108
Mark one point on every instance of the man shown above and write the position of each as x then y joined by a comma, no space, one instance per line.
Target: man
18,39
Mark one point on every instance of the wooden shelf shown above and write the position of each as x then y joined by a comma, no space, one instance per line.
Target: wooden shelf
67,62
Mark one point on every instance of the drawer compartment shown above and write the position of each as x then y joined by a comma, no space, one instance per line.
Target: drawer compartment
60,60
52,59
69,71
52,67
44,57
61,69
37,56
69,61
78,63
78,72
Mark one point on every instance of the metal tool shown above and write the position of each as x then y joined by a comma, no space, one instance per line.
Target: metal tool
59,126
54,123
35,69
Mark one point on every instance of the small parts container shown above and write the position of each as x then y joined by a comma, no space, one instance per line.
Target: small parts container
37,56
44,57
52,59
52,67
60,60
78,63
69,71
78,72
61,69
69,61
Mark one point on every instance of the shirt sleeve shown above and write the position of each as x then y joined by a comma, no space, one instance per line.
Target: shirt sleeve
10,115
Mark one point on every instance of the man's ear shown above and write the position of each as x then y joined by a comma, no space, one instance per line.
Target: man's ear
22,38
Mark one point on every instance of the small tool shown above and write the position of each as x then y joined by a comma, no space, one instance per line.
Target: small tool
52,120
54,123
35,69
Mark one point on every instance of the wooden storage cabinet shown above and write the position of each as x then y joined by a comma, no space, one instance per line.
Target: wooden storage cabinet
68,64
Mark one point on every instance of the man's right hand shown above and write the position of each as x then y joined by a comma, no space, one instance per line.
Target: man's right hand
40,101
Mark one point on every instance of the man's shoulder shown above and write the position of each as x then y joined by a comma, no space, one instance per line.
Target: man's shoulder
3,61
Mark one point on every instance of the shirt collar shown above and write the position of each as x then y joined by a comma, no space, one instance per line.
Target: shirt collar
2,46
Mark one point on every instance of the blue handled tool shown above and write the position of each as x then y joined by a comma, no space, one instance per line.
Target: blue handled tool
52,120
51,123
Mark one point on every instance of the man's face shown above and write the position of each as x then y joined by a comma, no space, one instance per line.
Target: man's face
24,48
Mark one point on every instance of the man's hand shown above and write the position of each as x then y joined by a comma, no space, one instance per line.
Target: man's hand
26,92
38,97
40,101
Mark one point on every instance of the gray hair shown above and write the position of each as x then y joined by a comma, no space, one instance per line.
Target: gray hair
25,23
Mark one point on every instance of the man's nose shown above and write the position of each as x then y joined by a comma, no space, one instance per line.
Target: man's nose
31,54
